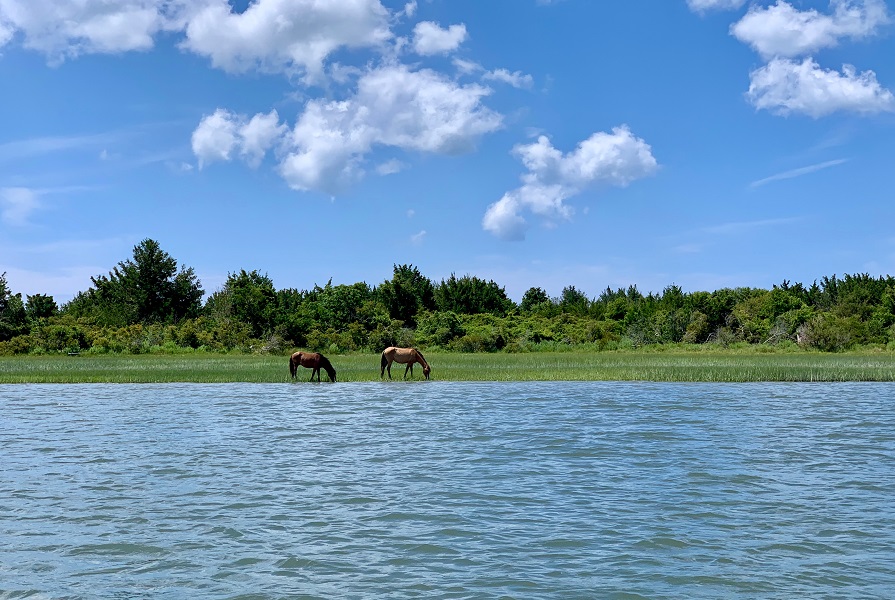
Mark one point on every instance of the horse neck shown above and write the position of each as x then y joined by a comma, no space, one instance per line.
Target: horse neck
420,359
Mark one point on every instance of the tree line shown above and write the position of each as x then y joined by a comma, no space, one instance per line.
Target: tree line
148,303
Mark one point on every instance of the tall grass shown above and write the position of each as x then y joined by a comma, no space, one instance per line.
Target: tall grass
668,365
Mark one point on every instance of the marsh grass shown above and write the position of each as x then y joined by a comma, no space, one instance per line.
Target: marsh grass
639,365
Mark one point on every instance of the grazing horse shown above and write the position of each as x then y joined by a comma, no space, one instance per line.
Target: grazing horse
311,360
404,356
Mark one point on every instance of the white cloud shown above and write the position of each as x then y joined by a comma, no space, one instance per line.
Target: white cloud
616,158
782,30
503,219
6,31
417,238
68,29
516,79
784,86
215,137
466,67
705,5
410,8
740,227
222,132
258,135
394,106
285,35
799,172
429,38
19,149
390,167
17,204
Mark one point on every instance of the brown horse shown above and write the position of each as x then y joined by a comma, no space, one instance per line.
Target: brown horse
404,356
311,360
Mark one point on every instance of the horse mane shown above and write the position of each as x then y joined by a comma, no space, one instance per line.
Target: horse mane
425,362
328,367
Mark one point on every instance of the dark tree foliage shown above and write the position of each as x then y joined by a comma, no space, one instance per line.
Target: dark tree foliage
145,289
407,293
294,318
338,306
40,306
535,299
470,295
573,301
248,297
13,319
145,303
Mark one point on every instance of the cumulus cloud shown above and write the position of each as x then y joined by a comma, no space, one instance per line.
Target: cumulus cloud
429,38
393,106
258,135
784,86
616,158
294,36
17,204
706,5
782,30
62,30
220,134
284,35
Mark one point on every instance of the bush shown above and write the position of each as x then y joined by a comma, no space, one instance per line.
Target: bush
831,333
21,344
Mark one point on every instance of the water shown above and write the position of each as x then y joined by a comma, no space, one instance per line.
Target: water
447,490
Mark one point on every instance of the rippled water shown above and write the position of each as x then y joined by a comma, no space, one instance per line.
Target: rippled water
447,490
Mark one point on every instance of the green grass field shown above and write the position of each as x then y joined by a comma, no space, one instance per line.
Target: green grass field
645,365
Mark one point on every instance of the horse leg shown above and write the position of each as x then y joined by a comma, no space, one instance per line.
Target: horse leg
389,369
409,367
312,374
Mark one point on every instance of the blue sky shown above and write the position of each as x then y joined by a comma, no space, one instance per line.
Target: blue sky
702,143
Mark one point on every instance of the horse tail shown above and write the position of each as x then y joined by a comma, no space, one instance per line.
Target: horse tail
383,363
292,368
328,367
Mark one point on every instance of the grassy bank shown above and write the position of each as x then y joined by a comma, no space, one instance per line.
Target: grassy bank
670,365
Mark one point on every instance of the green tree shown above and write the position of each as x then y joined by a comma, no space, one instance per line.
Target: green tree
470,295
247,297
39,307
407,293
340,305
13,319
145,289
573,301
534,300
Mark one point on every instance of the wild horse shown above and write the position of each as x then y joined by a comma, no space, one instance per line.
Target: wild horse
404,356
311,360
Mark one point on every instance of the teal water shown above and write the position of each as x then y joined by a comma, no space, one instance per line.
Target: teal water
447,490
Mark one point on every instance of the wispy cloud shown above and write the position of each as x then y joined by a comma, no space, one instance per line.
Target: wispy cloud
690,248
742,226
18,203
418,238
45,145
390,167
799,172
